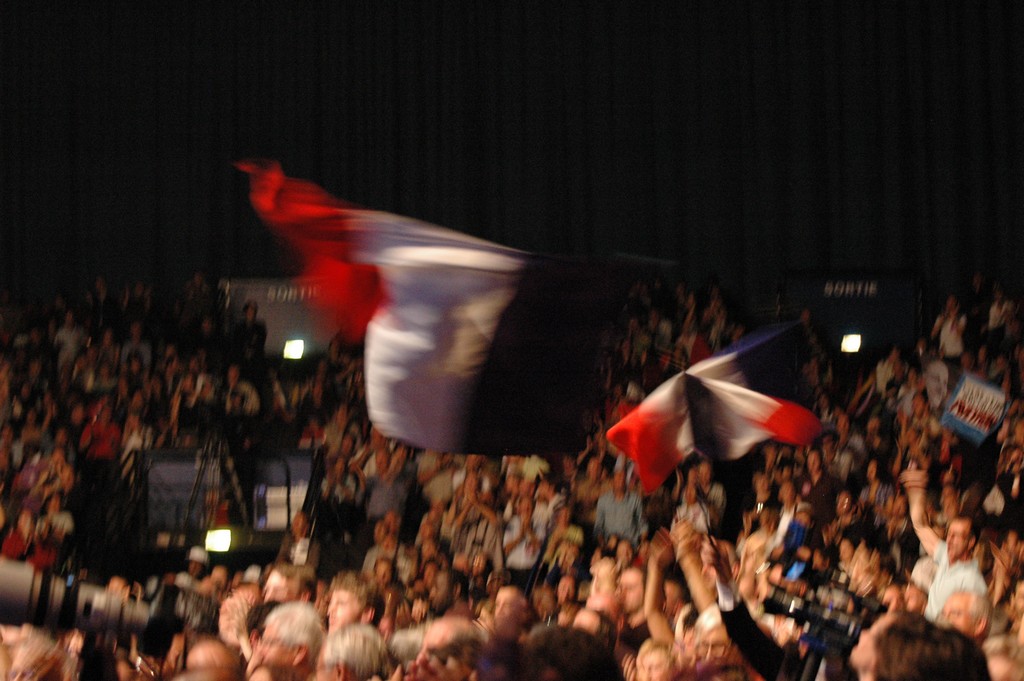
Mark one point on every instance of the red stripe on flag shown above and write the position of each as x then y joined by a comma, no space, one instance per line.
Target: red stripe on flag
792,424
648,436
313,223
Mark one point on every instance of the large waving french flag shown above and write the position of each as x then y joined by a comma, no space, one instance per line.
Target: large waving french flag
721,406
469,346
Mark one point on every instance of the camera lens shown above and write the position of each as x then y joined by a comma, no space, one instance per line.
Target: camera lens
52,602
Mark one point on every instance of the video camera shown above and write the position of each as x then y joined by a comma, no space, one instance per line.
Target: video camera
834,615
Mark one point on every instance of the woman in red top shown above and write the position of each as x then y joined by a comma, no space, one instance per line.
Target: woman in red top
18,543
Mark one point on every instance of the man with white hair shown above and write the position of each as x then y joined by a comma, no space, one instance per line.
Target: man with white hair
354,653
969,613
292,637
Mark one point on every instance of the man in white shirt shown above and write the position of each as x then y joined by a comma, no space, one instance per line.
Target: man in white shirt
956,569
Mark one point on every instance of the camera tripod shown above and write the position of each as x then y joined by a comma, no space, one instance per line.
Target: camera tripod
216,471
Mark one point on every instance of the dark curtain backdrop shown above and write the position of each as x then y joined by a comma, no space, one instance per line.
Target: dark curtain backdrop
737,138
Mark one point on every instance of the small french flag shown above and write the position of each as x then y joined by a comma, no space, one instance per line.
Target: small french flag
721,406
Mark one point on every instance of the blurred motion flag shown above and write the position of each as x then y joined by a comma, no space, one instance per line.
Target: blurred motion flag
721,406
469,346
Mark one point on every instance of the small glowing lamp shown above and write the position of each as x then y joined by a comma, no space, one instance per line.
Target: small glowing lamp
218,541
293,348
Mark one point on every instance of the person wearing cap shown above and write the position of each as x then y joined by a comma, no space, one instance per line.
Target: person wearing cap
252,575
198,561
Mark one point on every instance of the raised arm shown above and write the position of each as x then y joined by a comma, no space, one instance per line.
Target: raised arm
687,543
915,482
660,557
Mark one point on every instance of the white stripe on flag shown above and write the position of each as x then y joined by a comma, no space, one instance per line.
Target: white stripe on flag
720,368
745,411
426,344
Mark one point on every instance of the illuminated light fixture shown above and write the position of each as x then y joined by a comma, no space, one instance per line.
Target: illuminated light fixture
218,541
293,348
851,342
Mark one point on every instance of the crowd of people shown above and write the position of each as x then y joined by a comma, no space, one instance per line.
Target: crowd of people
888,548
